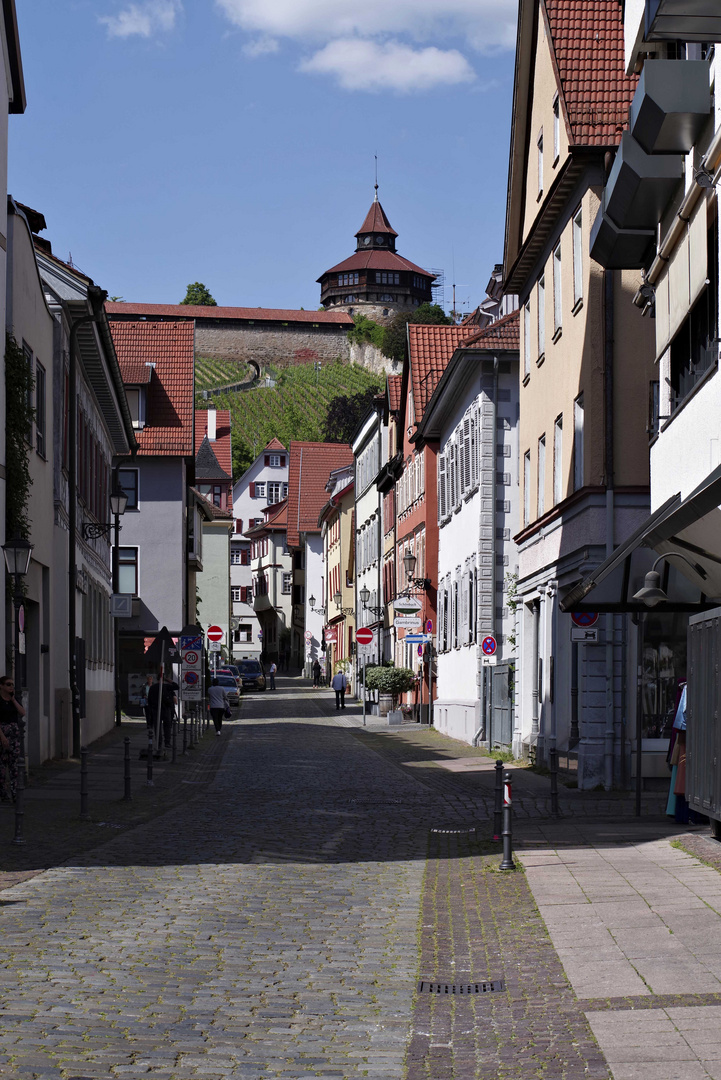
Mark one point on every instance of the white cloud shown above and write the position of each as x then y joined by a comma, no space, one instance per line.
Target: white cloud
486,24
143,19
369,65
261,47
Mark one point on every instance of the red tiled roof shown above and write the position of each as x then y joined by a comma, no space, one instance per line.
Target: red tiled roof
274,444
503,334
394,392
431,348
377,260
193,311
376,221
588,44
221,447
275,521
211,509
169,407
309,467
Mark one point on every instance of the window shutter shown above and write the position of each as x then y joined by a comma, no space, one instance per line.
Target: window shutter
252,490
282,460
266,460
441,487
464,611
239,525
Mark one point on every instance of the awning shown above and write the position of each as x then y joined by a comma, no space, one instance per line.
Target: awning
690,527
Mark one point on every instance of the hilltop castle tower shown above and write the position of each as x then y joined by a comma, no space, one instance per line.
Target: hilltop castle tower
375,281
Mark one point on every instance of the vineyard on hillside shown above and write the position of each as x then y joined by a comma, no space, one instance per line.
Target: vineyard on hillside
323,406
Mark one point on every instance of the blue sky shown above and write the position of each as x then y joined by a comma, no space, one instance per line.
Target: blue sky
232,141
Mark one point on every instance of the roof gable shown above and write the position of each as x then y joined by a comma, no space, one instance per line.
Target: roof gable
503,334
309,468
207,466
221,446
430,347
376,221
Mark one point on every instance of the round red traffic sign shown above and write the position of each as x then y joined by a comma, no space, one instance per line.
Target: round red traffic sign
584,618
364,636
215,633
489,645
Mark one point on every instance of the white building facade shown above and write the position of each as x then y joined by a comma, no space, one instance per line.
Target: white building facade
369,447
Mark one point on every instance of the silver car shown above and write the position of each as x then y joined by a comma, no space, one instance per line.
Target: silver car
231,687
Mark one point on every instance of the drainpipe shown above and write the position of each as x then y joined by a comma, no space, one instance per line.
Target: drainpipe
608,281
73,512
486,721
536,610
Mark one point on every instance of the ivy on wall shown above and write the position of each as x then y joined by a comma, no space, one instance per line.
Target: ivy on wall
19,416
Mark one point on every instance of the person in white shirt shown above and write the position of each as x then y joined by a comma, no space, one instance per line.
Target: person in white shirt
218,702
339,684
273,669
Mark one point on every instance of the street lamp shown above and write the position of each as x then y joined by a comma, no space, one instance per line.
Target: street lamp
17,553
338,601
652,594
409,562
364,596
317,610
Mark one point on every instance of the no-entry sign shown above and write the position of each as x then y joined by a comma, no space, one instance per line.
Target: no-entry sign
364,636
215,633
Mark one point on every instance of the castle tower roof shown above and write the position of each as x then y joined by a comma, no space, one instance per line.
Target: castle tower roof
376,221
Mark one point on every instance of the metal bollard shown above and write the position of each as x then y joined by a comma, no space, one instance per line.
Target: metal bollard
126,795
185,733
498,806
149,780
84,783
20,788
508,863
174,738
553,762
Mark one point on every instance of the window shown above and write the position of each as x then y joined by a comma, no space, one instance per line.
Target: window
527,487
577,256
558,461
348,279
128,482
29,361
235,554
235,593
541,502
578,443
275,461
287,582
274,490
40,424
539,144
285,491
385,278
556,129
259,491
557,291
128,570
541,316
135,404
527,338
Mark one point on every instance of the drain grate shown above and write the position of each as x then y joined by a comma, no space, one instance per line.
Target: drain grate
455,832
490,986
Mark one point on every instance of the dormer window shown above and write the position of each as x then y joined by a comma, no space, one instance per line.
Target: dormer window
136,402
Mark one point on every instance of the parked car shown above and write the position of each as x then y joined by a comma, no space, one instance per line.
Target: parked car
228,683
252,674
231,669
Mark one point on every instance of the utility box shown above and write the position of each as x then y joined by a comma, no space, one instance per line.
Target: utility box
703,717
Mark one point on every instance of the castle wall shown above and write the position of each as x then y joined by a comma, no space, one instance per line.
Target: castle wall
278,346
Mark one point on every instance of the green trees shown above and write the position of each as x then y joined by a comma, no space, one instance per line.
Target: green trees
390,680
394,335
198,294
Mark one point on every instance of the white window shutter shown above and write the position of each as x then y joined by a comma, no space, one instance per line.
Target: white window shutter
441,487
464,609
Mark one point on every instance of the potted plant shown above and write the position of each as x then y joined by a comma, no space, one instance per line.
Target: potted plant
390,682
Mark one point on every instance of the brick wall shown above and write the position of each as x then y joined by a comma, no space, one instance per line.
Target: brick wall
277,346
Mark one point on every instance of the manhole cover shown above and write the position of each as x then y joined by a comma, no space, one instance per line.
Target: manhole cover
490,986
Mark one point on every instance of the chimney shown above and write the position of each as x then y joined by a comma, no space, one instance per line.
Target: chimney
211,425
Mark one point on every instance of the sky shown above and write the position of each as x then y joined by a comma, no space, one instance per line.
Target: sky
233,141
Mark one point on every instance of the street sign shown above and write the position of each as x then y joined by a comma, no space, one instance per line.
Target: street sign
330,635
429,626
418,639
584,618
234,622
121,605
420,650
364,636
308,636
215,646
489,645
191,678
190,659
407,605
408,622
579,634
191,642
215,633
365,651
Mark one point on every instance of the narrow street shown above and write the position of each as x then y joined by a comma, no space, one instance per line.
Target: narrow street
277,924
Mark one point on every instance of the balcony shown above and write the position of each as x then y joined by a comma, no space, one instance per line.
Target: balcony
620,249
671,105
683,20
640,185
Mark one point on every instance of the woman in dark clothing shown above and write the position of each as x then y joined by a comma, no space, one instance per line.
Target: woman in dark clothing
316,673
10,712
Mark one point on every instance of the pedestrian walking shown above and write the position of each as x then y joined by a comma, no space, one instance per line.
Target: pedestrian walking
272,672
218,703
167,711
316,673
10,712
339,684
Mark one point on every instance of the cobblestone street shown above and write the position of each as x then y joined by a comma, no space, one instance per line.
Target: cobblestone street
275,922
